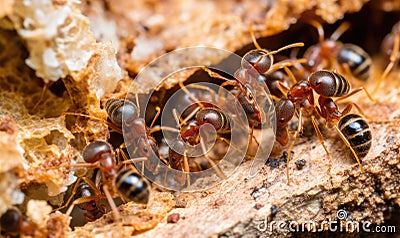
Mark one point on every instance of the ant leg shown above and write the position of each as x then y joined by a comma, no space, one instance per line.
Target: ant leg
73,192
392,60
339,31
155,117
79,165
182,122
347,109
189,94
213,74
84,199
44,90
80,201
290,74
283,88
117,215
351,148
163,128
112,126
296,134
321,140
213,165
355,91
346,69
212,92
186,168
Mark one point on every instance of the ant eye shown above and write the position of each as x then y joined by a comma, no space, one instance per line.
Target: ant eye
205,118
249,95
94,204
281,120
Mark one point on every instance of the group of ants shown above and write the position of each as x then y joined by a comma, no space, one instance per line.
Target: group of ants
292,85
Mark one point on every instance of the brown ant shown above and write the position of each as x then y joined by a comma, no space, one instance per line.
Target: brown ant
124,117
391,47
327,85
324,55
14,223
128,184
88,199
190,134
389,41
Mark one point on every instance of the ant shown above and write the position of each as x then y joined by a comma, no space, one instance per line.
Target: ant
190,134
352,58
128,184
87,199
390,47
124,115
262,62
326,85
14,223
389,40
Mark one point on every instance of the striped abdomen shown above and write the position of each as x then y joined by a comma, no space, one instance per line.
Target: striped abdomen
117,108
357,132
358,61
132,186
329,84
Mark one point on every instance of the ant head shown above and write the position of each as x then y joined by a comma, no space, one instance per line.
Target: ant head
145,146
93,151
210,115
329,48
190,132
258,59
299,92
248,102
284,112
92,205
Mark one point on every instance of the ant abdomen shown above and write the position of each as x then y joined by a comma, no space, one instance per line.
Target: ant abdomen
358,61
84,190
357,132
329,84
132,186
117,108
